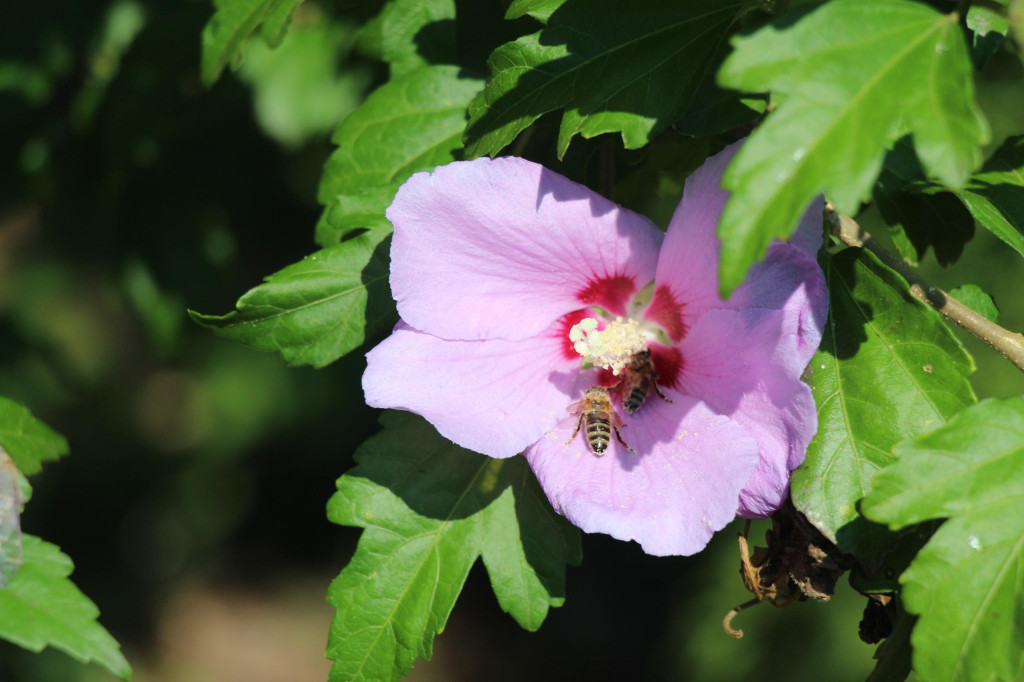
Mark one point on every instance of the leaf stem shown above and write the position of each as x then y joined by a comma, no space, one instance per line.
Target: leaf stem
1009,344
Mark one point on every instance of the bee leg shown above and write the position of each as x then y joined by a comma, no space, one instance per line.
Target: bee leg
660,394
618,437
579,423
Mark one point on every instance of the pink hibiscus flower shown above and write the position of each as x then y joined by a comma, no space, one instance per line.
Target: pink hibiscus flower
496,263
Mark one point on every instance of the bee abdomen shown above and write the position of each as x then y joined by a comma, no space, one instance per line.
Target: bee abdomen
599,433
637,397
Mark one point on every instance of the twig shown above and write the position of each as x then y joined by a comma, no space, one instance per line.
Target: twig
727,621
1009,344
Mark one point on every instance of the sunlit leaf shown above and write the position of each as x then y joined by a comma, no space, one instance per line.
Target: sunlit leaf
410,124
430,509
304,87
989,25
967,584
346,213
417,33
41,607
540,10
27,440
315,311
833,70
231,25
972,296
995,195
888,369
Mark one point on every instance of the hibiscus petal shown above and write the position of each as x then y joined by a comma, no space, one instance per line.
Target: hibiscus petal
733,363
494,397
499,248
688,265
788,280
807,236
680,486
787,406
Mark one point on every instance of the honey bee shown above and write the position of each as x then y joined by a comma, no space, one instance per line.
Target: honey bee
638,381
597,411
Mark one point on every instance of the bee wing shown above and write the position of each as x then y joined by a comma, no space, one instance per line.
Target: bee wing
10,519
576,407
615,418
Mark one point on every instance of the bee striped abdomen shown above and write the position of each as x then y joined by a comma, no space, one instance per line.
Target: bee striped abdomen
597,413
638,396
599,431
639,380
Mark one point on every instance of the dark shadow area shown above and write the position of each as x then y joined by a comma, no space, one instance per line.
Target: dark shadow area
848,317
434,477
435,42
604,632
909,206
882,554
126,200
668,69
481,27
555,186
381,315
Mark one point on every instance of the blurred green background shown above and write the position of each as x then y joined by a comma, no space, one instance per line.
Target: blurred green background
193,500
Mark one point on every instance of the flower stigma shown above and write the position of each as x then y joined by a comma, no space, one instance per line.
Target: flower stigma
610,348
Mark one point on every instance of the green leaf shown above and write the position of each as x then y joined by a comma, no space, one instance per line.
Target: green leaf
346,213
304,87
714,110
966,585
417,33
989,25
231,25
541,10
27,440
41,607
917,219
833,72
995,195
409,124
984,19
430,509
631,72
888,369
317,310
369,39
277,21
972,296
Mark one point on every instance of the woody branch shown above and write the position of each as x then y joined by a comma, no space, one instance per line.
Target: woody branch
1009,344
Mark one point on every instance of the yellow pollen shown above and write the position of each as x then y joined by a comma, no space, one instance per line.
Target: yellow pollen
611,348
